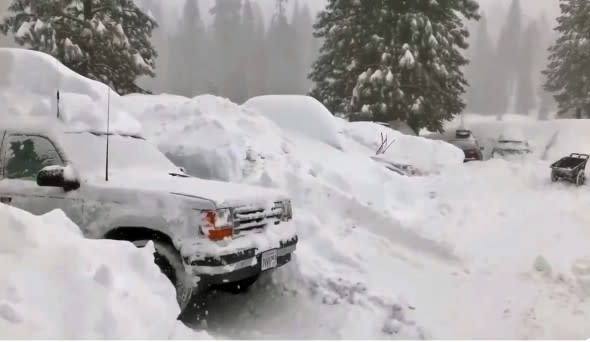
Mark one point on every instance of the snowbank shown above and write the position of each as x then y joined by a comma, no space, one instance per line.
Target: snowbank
299,113
54,284
340,200
383,255
425,154
29,84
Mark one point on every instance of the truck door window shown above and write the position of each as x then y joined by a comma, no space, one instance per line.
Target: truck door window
26,155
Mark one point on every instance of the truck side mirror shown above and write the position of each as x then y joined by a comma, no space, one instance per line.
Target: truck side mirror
55,176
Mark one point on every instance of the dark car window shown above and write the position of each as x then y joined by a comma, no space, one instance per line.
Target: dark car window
26,155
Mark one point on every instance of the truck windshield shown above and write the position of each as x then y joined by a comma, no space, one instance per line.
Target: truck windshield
87,153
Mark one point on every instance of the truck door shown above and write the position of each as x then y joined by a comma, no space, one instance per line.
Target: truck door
23,156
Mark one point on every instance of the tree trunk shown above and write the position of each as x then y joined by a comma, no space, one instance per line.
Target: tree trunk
87,10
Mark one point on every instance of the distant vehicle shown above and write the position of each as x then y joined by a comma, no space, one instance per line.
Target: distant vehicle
510,143
466,141
571,168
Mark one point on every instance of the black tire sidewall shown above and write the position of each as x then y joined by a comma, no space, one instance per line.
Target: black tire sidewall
169,261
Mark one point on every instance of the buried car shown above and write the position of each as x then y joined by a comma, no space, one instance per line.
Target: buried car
205,233
511,143
466,141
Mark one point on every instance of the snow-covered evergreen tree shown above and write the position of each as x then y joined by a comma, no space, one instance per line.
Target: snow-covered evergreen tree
5,40
525,91
105,40
282,44
228,78
480,71
568,70
187,56
347,41
254,57
302,23
508,56
398,61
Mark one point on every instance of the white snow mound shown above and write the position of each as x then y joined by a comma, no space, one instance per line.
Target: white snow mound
299,113
55,284
29,84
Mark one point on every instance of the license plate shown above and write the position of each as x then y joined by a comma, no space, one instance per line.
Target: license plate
269,260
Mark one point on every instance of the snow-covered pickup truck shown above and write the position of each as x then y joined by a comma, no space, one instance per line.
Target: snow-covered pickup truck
204,232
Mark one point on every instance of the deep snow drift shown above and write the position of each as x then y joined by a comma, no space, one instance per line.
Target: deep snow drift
483,250
461,253
55,284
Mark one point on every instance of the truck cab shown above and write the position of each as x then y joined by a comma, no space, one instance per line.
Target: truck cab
204,233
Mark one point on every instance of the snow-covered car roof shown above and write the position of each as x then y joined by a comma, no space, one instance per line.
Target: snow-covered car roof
512,134
300,113
28,92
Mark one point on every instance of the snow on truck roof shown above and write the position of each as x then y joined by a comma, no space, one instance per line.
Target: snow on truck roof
28,94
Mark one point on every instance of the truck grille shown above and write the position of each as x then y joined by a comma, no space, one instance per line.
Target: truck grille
250,217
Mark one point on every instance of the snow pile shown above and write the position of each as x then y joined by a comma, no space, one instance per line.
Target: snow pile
339,197
383,255
424,154
54,284
299,113
29,84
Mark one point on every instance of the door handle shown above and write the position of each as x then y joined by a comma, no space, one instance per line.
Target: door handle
5,199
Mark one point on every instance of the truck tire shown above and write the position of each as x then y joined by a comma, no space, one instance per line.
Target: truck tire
237,287
167,258
554,177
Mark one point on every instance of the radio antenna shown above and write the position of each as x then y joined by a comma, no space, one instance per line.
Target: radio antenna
106,174
58,103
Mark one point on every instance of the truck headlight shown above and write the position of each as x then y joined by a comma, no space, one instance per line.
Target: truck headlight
287,210
217,224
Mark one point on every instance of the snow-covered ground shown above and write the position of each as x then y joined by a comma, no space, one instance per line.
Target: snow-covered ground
55,284
451,255
479,250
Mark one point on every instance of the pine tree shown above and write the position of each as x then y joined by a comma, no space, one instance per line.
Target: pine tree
525,91
187,55
341,26
508,56
253,50
107,40
568,70
303,25
282,64
227,77
547,103
5,40
398,61
480,71
159,39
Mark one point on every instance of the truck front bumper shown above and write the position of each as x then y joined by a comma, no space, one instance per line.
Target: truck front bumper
241,265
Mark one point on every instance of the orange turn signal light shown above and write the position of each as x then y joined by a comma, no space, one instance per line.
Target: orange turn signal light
221,233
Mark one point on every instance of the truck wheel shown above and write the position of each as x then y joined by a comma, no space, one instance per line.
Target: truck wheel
237,287
554,177
170,263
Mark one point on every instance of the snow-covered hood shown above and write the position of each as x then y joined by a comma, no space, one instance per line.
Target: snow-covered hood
221,194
